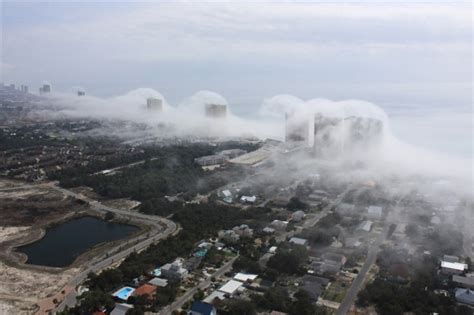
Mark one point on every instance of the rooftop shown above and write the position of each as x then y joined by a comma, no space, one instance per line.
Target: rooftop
202,308
245,277
231,286
453,265
146,289
298,241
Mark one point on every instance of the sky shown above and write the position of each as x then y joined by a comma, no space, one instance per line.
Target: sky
414,60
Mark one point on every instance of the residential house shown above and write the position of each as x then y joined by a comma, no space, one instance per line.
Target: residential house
147,290
374,212
158,282
314,286
452,268
297,216
202,308
174,270
298,241
467,282
121,309
464,296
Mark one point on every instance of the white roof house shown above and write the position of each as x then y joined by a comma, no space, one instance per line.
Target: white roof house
231,286
278,224
298,241
365,226
374,212
227,193
245,277
214,295
454,267
248,199
158,282
121,309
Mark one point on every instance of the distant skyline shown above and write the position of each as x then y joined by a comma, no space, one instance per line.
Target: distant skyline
404,57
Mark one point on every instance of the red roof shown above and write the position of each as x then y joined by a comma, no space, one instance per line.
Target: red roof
146,289
98,313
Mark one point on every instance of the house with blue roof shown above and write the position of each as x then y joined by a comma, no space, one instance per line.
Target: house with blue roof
202,308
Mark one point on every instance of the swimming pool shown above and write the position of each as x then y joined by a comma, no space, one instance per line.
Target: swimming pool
201,253
124,293
156,272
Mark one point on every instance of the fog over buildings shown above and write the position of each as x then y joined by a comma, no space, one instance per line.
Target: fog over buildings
315,155
344,131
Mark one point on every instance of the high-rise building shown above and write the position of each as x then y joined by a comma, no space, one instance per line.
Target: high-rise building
12,86
216,110
299,129
344,136
154,104
24,88
45,89
81,93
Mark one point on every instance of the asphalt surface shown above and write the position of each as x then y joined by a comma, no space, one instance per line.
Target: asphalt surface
188,295
162,229
351,294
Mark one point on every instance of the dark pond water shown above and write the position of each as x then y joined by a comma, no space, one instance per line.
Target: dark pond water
64,242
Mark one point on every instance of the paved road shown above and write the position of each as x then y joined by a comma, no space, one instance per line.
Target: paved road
111,170
351,294
188,295
162,229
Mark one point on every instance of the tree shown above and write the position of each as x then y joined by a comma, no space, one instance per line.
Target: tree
296,204
238,307
289,259
109,216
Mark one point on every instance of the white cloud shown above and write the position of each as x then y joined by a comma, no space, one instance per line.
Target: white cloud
176,31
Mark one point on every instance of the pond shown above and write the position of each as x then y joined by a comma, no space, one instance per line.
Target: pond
63,243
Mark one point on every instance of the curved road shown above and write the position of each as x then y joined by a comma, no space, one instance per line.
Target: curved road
163,228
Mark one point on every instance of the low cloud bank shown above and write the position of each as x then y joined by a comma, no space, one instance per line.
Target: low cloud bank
188,118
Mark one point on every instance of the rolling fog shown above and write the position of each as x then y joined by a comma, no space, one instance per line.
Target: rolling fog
383,159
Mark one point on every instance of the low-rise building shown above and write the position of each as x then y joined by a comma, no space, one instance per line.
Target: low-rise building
452,267
245,277
232,153
231,287
451,259
248,199
174,270
215,296
202,308
226,195
278,224
314,286
467,282
298,241
159,282
268,230
297,216
228,236
243,230
374,212
121,309
210,160
147,290
464,296
364,226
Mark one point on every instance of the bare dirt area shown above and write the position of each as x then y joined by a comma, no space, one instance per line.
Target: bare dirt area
86,191
25,210
122,203
21,289
24,206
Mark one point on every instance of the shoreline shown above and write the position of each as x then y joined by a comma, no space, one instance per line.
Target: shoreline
10,255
